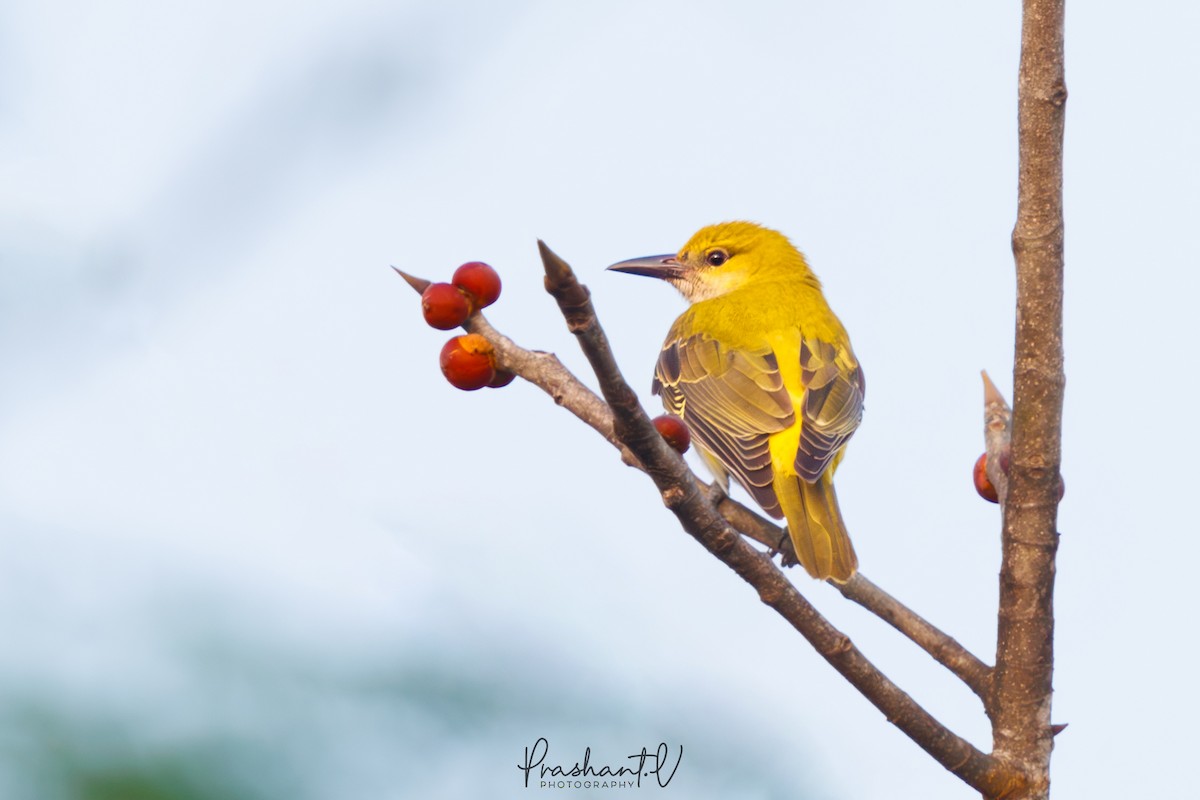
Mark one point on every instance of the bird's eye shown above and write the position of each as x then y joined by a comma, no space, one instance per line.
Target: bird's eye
716,258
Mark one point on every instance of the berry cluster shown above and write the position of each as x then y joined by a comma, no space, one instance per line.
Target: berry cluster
468,361
475,285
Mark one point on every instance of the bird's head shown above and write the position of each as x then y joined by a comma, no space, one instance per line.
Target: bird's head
721,258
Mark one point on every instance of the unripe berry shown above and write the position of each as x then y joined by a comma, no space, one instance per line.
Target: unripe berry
468,362
444,306
478,280
674,431
983,483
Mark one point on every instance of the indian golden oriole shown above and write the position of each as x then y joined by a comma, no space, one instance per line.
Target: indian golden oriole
762,372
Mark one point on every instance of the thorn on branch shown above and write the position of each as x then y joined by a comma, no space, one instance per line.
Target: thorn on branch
572,296
990,393
419,285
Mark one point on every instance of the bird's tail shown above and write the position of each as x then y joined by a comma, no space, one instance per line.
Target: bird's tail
815,524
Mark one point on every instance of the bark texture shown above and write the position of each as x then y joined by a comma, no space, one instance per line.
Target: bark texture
1020,706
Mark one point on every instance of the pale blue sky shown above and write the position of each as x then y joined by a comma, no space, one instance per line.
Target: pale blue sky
223,420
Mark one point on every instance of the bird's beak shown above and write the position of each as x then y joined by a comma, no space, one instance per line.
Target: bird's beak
666,267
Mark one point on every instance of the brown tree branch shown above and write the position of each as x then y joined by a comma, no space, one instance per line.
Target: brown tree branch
698,517
1021,728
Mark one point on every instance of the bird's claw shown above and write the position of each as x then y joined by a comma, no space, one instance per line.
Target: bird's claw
786,550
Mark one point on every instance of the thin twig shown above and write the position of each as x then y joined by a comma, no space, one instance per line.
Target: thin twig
945,649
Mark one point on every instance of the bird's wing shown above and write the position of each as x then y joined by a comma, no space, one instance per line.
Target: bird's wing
834,387
732,400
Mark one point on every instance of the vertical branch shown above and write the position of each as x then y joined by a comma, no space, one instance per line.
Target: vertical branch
1025,647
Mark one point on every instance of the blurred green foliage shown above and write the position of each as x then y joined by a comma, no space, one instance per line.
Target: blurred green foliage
444,720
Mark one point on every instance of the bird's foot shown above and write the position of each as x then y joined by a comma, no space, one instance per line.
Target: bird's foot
786,550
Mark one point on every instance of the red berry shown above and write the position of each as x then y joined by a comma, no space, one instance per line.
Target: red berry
503,378
983,484
674,431
468,362
444,306
478,280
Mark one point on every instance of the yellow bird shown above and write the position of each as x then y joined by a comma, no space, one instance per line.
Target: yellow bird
762,372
